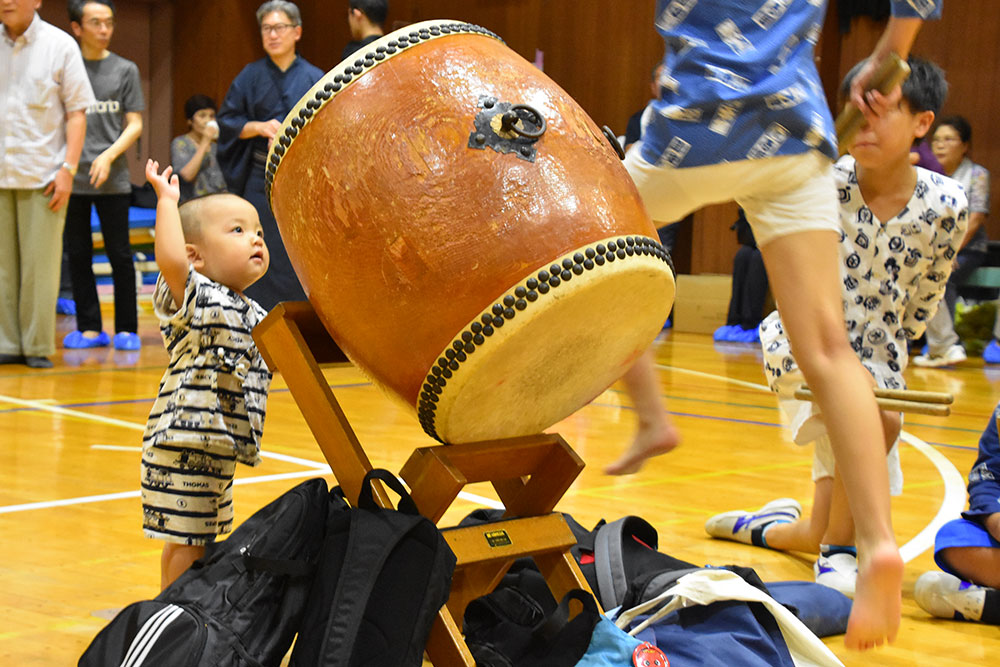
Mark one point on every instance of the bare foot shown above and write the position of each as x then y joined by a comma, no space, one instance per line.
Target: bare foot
650,440
877,599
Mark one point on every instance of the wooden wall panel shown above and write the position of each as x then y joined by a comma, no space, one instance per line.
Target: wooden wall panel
601,52
965,43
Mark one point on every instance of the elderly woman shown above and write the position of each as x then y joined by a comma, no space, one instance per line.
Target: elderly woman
951,143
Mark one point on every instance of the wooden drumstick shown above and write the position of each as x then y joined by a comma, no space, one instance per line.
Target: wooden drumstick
918,396
891,73
902,400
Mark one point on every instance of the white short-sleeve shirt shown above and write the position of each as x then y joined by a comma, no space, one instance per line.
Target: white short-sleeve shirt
42,78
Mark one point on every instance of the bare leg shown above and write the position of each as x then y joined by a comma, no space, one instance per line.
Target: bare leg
980,565
805,534
840,530
804,273
656,433
176,559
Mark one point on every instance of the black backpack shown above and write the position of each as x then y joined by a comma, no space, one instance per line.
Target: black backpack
384,576
619,560
512,627
239,605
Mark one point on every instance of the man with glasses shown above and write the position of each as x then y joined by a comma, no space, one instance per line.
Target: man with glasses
44,92
257,101
114,123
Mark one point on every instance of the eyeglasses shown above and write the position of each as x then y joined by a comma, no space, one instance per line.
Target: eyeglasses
98,23
278,29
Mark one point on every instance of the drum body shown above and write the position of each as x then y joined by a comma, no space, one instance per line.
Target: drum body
466,233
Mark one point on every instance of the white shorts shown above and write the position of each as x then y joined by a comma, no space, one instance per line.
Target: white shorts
806,425
780,195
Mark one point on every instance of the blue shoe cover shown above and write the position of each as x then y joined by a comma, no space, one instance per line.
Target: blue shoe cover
75,340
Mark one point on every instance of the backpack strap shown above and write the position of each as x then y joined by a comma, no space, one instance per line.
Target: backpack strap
367,501
370,540
609,557
558,619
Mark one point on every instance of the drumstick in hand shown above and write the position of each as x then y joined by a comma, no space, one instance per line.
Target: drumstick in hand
891,73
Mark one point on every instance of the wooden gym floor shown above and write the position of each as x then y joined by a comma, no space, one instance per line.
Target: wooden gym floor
71,549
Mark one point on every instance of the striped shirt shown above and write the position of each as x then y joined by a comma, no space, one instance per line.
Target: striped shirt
739,81
215,389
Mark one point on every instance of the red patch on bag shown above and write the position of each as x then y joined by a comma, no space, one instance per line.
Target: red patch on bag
647,655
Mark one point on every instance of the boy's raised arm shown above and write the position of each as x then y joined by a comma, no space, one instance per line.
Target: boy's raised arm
169,244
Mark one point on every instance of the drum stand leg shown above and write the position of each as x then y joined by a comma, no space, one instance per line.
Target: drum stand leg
530,475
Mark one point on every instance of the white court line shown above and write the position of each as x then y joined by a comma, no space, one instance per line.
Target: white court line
711,376
315,467
954,484
66,412
951,506
47,504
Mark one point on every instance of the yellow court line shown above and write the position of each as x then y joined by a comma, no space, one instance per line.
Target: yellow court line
597,490
74,414
61,626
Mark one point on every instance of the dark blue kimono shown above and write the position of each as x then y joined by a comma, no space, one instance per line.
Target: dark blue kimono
262,92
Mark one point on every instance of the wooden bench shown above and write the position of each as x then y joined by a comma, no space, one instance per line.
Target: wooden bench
141,222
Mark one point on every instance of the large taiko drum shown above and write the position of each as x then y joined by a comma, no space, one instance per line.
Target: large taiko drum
466,233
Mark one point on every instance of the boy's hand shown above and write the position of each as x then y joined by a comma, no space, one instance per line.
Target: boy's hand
869,100
165,184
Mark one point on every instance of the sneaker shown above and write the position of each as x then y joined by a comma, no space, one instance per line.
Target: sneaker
738,525
65,306
37,362
838,571
127,340
75,340
953,355
991,354
946,596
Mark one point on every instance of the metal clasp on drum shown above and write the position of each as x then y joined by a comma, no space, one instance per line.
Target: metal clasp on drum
507,128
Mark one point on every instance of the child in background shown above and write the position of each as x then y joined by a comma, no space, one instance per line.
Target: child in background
209,412
901,227
968,549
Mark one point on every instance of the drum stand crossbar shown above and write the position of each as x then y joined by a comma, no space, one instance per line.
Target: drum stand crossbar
530,475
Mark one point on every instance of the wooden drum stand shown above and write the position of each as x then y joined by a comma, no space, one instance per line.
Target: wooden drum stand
530,474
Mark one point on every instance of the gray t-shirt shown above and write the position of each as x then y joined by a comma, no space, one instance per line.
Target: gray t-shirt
118,90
